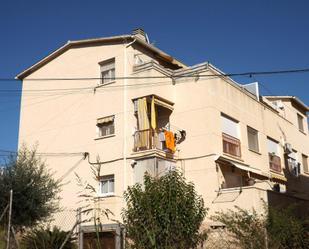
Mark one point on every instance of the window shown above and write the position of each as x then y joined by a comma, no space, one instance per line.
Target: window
272,146
107,71
300,120
293,163
305,163
107,185
105,126
273,155
253,141
230,134
229,126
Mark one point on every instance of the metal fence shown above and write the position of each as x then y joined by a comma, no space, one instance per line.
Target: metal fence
81,225
67,220
85,232
8,237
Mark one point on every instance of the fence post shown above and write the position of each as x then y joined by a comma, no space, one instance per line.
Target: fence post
9,225
68,236
80,232
16,240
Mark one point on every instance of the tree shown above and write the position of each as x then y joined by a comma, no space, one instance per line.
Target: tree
277,228
35,190
165,213
286,229
247,229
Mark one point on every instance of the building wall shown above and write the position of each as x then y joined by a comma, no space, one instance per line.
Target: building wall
65,122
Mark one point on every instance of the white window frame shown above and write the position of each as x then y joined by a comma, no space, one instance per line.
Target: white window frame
107,67
108,179
276,143
256,136
300,122
99,127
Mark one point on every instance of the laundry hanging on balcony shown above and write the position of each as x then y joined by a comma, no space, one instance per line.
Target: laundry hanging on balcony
169,140
153,114
143,122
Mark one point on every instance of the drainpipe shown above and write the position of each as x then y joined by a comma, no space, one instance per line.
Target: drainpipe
125,118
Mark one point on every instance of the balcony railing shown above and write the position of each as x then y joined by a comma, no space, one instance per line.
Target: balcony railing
148,139
231,145
274,162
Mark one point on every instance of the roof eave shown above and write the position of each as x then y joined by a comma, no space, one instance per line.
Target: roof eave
126,38
158,52
64,48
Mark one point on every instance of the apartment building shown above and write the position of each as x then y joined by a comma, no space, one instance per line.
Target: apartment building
124,103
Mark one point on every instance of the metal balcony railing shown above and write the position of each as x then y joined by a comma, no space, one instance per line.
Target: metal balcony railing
148,139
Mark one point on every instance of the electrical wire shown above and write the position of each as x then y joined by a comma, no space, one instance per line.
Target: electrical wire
271,93
98,87
67,91
250,73
57,154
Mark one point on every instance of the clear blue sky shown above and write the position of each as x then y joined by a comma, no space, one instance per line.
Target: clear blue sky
236,36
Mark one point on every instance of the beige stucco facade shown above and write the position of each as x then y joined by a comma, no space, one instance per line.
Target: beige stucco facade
60,115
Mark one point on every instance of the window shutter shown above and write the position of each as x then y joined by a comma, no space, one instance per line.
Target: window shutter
109,65
229,126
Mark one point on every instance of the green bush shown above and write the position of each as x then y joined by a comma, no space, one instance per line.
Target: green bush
40,238
165,213
278,228
285,230
246,229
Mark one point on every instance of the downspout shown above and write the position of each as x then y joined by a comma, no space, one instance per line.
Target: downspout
125,118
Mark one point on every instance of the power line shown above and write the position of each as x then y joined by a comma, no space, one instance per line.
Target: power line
192,75
5,152
98,87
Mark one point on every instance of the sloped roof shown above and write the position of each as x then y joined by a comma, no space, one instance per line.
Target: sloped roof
95,41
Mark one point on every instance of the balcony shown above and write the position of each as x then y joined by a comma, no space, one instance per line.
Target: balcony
274,162
231,145
152,123
148,139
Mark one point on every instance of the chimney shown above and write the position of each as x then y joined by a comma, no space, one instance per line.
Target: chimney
140,34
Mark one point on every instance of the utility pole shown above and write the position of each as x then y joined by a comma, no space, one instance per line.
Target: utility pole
10,216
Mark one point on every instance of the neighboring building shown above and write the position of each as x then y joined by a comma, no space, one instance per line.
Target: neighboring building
237,147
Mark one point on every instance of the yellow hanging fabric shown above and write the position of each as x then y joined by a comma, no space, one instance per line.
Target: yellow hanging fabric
146,120
153,114
143,123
